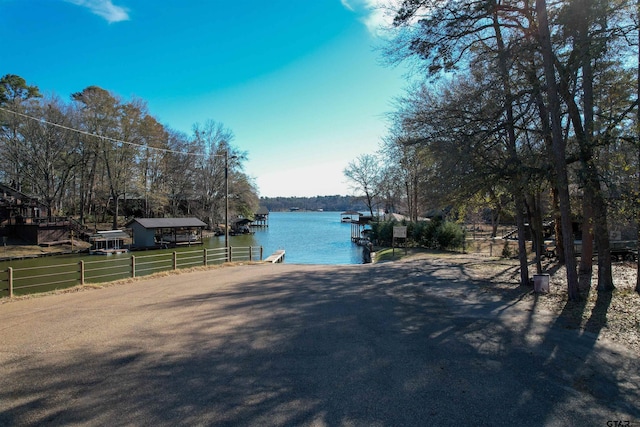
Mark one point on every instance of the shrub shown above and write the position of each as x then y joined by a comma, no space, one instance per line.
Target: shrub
383,232
449,235
435,234
429,233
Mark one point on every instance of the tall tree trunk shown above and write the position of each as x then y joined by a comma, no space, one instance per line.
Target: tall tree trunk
522,239
512,150
414,217
605,275
409,197
559,149
584,135
537,234
557,225
637,198
586,254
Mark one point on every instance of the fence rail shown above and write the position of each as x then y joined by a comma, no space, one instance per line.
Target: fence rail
71,274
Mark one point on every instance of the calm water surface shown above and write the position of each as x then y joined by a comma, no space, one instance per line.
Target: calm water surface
308,238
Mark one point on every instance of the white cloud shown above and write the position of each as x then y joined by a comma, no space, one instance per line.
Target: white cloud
374,14
104,8
346,4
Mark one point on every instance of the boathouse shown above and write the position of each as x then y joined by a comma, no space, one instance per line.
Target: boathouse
109,242
241,226
152,232
361,229
261,217
349,216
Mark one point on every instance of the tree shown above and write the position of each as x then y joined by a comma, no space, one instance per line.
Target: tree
637,140
365,175
497,36
92,154
48,152
559,147
14,89
181,172
151,179
99,118
213,141
15,94
447,35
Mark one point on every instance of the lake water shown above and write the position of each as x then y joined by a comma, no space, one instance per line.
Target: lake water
307,238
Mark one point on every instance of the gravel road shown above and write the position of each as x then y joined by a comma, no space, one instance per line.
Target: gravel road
399,344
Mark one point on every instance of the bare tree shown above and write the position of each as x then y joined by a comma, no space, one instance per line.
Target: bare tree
48,152
364,174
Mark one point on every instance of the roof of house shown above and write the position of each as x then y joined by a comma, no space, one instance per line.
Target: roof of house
111,234
262,210
167,222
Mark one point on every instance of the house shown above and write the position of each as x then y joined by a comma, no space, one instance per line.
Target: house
153,232
16,207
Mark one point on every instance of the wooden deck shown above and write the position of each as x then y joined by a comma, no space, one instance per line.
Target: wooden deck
276,257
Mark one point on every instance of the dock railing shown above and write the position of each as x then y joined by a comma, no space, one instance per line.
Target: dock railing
50,277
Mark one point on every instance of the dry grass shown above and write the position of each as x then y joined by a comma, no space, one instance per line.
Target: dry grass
129,280
20,251
611,315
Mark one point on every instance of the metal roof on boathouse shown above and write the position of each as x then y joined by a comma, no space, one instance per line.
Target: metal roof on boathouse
167,222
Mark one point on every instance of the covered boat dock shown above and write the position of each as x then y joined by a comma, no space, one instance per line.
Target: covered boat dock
349,216
109,242
154,232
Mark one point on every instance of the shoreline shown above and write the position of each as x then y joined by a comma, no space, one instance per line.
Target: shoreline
22,252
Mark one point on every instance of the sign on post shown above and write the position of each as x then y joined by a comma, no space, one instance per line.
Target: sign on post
399,232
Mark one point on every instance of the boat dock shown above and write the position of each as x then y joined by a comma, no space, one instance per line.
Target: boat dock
276,257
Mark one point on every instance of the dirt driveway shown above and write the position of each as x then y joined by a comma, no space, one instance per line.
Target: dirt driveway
403,344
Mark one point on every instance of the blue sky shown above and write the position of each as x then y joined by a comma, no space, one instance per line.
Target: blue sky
297,81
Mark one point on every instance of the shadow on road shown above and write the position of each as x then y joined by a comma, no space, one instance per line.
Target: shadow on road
396,344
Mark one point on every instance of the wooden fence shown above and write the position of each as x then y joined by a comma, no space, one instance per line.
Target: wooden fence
51,277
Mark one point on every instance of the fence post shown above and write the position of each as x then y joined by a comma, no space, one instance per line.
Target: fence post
250,253
10,278
261,253
81,272
204,257
175,260
133,266
230,254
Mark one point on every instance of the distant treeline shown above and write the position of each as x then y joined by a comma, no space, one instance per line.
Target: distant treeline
327,203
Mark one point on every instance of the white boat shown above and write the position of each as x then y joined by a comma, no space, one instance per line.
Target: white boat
180,238
108,251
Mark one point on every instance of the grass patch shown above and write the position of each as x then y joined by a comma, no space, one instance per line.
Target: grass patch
386,255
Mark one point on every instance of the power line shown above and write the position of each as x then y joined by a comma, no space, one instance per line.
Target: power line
43,121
